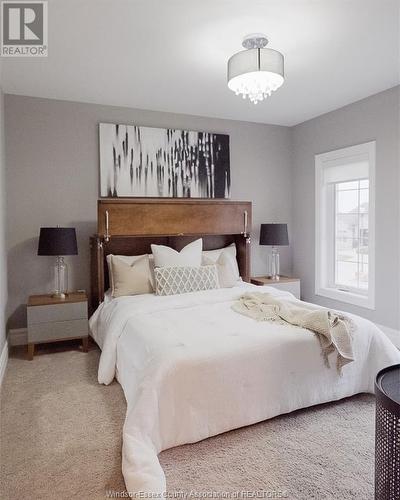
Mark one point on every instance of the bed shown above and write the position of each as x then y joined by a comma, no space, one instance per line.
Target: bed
189,365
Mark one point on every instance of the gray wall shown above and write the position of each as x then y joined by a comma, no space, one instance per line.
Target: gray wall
3,258
52,178
374,118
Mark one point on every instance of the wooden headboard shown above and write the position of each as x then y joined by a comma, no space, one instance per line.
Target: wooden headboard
129,226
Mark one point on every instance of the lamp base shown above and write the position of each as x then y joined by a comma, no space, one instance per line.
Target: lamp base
273,264
60,278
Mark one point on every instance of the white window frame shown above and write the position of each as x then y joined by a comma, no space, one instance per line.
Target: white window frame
323,161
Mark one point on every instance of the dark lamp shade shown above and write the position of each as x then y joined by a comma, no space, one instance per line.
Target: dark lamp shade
57,241
274,234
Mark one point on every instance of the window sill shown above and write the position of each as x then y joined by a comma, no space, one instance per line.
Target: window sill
348,297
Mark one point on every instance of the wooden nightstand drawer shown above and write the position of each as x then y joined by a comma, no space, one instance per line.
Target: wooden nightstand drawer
58,330
51,319
57,312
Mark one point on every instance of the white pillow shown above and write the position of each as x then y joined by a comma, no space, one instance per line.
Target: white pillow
190,255
227,277
185,279
130,259
108,296
212,256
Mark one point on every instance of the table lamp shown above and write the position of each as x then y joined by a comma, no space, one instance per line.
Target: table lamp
274,235
58,241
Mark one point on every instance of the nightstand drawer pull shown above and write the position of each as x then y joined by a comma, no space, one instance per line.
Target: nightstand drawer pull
57,312
47,332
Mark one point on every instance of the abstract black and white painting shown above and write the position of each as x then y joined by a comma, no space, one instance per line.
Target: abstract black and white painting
157,162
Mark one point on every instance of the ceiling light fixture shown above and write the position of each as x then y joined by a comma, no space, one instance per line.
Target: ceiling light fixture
255,72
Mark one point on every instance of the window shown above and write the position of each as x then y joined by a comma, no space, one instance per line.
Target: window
345,264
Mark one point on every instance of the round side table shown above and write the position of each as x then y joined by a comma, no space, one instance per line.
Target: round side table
387,434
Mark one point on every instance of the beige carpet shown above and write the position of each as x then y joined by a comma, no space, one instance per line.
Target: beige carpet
61,439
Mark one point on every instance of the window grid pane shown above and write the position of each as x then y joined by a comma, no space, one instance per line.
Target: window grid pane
351,234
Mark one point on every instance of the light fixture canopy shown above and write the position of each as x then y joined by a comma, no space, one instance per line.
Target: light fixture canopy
257,71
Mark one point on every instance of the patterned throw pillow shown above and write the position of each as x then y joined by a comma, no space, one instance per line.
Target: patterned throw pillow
177,280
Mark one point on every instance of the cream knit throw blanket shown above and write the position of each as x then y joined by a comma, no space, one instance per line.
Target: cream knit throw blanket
334,331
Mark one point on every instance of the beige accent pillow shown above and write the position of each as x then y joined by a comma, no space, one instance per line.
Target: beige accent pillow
129,259
190,255
226,269
130,279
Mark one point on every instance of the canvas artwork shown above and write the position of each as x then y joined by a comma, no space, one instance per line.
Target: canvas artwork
154,162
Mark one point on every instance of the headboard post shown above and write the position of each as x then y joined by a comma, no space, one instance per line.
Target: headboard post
96,272
243,255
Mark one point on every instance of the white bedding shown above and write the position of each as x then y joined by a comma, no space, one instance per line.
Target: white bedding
191,368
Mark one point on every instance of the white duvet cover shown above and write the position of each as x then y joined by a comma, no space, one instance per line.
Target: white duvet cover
191,368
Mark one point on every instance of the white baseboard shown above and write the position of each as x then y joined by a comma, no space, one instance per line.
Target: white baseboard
392,334
18,336
3,361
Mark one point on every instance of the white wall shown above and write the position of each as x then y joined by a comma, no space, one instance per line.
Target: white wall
3,259
53,177
374,118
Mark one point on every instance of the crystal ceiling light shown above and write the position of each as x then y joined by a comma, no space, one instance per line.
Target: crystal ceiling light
256,72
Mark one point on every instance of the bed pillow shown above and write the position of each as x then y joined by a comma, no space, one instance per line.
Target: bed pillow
190,255
108,296
129,259
226,269
177,280
212,257
130,279
214,254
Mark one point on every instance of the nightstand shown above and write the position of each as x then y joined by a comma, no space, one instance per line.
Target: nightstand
284,283
52,319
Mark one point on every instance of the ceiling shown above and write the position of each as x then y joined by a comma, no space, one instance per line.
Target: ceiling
171,55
